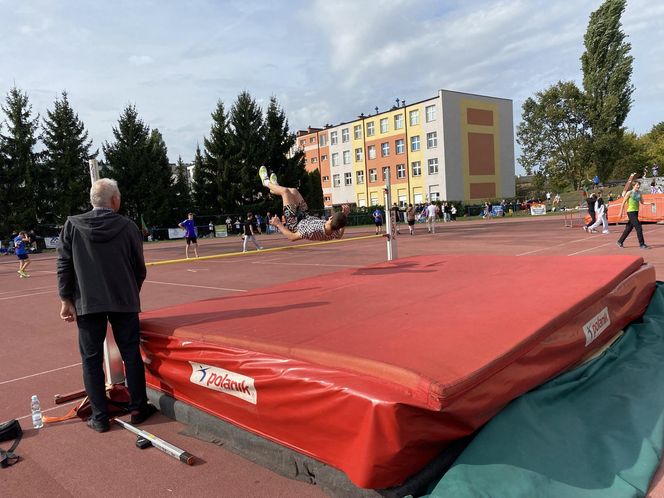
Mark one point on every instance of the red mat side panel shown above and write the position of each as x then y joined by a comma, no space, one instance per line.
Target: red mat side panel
377,428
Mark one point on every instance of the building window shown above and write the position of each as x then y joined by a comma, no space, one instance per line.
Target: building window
312,140
328,198
434,196
432,140
401,171
314,160
398,121
372,152
348,178
399,146
335,159
386,172
336,180
346,157
322,140
414,117
358,154
360,177
323,157
357,132
431,113
372,175
371,129
333,138
345,135
416,168
303,142
433,166
383,125
385,149
415,143
326,178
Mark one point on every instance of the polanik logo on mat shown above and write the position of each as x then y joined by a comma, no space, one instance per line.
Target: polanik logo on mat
224,381
596,325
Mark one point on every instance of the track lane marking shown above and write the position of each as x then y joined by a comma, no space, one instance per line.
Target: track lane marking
195,286
37,374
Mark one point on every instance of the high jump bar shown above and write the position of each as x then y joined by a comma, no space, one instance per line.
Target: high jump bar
271,249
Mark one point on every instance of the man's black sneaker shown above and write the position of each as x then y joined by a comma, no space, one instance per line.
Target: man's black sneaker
98,425
619,244
644,246
140,416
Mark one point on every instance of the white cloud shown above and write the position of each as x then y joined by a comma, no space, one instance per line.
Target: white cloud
140,60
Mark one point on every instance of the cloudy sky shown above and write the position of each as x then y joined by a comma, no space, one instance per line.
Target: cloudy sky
325,61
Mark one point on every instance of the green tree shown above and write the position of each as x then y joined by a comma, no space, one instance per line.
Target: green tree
182,189
240,185
66,155
607,71
633,155
653,143
553,134
217,156
156,183
205,190
127,161
21,192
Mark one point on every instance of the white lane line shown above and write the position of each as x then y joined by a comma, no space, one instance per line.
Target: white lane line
551,247
26,295
35,288
37,374
591,249
57,407
304,264
196,286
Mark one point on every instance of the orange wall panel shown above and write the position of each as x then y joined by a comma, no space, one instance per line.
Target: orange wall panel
483,190
480,117
481,159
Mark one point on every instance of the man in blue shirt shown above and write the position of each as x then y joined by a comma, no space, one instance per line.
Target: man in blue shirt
21,252
189,234
378,220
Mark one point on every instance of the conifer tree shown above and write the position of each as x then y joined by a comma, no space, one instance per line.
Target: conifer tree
22,191
127,161
66,155
182,189
607,71
204,189
157,184
217,155
247,145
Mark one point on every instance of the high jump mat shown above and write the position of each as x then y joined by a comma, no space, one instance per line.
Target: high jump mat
375,371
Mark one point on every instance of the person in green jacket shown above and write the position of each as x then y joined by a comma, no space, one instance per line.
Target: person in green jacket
633,199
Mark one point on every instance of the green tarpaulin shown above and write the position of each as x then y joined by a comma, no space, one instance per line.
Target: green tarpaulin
596,431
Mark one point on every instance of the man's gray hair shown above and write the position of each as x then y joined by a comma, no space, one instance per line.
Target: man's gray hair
102,191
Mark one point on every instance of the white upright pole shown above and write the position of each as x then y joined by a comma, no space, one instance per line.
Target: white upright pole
389,227
113,366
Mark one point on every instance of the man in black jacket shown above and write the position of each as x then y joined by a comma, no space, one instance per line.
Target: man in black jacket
100,271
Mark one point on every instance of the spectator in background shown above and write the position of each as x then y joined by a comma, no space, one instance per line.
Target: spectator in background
250,230
590,201
189,234
430,211
453,212
229,225
410,218
211,228
600,215
396,217
21,242
378,220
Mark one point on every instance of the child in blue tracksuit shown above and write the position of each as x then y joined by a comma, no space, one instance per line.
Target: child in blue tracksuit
21,252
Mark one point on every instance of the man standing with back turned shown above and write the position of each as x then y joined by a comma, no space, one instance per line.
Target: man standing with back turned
101,270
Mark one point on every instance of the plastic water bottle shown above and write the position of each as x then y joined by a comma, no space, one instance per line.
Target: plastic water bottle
37,421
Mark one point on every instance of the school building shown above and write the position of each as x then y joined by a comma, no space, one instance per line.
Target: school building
454,146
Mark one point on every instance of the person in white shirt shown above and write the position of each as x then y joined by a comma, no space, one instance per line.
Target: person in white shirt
431,217
600,216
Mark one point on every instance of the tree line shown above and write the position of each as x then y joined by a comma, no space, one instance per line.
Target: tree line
44,172
569,134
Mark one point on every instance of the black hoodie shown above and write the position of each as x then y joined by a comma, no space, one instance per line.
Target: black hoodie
100,262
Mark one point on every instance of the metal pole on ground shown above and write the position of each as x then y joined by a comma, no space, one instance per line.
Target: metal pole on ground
389,227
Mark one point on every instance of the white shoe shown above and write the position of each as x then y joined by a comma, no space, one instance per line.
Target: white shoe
585,229
605,231
262,173
273,179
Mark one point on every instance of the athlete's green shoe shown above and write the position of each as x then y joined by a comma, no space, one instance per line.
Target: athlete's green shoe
273,179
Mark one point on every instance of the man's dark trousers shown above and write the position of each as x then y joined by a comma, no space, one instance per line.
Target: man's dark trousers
91,335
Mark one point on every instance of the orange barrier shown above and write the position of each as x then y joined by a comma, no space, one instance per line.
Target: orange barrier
653,212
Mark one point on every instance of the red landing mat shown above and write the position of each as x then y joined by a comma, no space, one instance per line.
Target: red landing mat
375,370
